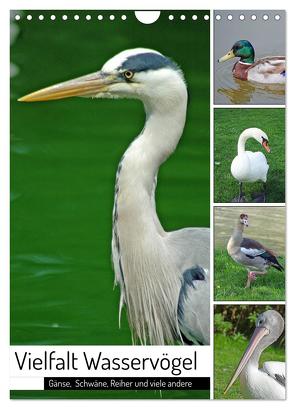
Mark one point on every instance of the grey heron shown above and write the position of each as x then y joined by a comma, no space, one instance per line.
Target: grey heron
163,276
269,381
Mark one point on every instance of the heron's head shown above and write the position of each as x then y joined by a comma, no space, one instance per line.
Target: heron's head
242,49
138,73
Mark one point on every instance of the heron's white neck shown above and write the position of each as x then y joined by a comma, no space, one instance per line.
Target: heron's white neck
140,164
151,279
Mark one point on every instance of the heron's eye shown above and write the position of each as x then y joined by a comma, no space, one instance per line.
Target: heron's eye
128,75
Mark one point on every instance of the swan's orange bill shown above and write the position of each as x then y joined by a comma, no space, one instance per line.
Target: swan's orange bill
266,146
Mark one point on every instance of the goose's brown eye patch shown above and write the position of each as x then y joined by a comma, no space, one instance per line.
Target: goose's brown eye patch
128,74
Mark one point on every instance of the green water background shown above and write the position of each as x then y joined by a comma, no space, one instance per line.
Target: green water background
64,156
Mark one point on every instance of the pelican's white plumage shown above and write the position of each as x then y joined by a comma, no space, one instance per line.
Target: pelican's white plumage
263,383
250,166
163,276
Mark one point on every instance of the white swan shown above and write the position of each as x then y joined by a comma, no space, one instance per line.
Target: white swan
250,166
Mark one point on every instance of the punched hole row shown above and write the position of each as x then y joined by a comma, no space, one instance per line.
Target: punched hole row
242,17
76,17
100,17
184,17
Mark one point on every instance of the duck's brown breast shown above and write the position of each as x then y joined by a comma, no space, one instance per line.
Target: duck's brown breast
240,71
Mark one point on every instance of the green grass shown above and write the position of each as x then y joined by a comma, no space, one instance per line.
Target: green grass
230,279
229,123
227,353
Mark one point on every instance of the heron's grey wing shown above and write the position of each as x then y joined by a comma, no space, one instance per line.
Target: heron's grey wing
194,306
277,370
117,265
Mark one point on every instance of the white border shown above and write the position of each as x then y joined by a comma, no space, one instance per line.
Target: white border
4,193
212,199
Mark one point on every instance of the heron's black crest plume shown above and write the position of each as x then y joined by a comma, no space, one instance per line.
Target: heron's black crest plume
148,61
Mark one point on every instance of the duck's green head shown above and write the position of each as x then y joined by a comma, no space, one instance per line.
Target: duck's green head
242,49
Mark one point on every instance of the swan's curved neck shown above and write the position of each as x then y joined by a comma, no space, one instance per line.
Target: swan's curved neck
242,142
247,134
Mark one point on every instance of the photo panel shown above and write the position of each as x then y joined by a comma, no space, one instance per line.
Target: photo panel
98,259
249,253
249,57
249,155
249,351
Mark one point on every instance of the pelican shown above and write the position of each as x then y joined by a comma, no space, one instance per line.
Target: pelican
163,276
269,381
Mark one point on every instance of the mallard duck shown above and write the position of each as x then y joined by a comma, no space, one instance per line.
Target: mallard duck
267,70
250,253
250,166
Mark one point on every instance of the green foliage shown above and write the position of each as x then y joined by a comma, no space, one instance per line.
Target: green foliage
238,321
229,123
253,317
230,280
238,336
220,325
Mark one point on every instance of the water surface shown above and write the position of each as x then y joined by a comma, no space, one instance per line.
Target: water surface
266,225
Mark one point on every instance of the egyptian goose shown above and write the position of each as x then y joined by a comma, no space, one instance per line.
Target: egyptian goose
250,253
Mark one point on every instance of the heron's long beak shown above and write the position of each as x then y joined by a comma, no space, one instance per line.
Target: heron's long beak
257,336
227,56
86,86
266,146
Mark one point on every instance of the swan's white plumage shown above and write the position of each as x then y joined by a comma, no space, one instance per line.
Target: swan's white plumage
250,166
